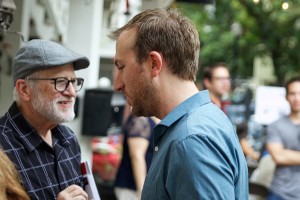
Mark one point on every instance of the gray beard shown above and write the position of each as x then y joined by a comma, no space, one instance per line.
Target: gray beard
50,111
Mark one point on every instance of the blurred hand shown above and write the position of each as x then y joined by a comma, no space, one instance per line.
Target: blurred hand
73,192
255,156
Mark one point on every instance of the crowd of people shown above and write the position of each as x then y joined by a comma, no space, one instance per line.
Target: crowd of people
178,142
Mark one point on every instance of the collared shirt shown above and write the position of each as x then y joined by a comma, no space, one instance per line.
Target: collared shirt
197,155
44,170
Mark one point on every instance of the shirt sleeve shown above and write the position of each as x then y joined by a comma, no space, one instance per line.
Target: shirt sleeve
273,134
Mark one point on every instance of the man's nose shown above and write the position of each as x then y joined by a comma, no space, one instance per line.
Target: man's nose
118,82
70,90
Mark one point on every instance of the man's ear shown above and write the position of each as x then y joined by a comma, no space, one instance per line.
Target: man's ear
206,83
22,89
156,63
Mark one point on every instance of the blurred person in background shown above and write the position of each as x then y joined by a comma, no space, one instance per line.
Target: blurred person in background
216,79
10,185
242,132
283,144
136,155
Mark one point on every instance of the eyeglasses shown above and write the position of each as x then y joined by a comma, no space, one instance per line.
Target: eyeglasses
62,83
218,78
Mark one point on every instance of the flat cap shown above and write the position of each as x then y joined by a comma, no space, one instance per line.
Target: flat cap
40,54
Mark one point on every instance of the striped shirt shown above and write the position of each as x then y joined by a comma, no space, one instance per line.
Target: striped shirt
44,170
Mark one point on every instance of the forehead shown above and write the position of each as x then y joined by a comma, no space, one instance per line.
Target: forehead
59,70
295,86
220,71
126,41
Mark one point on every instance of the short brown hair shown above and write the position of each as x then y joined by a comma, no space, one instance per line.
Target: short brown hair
208,70
170,33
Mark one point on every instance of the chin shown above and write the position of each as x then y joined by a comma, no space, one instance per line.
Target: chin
140,113
66,117
70,117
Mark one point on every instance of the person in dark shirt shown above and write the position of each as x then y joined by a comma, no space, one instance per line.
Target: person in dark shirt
46,153
136,156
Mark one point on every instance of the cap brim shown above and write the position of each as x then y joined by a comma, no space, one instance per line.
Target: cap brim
81,63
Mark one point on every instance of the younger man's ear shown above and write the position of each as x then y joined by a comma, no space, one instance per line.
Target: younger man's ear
156,62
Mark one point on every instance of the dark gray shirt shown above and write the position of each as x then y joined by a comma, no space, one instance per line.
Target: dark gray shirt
286,179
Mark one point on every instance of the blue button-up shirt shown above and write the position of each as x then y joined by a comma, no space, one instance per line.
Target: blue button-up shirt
197,155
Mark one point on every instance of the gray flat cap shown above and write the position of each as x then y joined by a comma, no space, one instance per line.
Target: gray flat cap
42,54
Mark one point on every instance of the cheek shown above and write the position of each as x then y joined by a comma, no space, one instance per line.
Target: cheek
129,77
49,93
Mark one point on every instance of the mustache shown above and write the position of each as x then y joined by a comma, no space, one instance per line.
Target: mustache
65,99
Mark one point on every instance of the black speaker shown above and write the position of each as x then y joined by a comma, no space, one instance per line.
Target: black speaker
103,111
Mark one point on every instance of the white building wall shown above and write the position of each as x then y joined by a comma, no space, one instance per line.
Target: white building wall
83,37
9,47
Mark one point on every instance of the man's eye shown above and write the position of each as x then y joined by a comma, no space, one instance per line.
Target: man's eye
120,67
60,81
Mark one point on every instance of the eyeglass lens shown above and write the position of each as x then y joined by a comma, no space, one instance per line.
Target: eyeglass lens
61,84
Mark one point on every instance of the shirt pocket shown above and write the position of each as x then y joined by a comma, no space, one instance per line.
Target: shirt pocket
149,190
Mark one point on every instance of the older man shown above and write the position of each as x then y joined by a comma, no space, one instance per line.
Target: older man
46,154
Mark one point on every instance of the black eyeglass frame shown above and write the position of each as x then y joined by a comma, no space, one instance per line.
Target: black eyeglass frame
79,81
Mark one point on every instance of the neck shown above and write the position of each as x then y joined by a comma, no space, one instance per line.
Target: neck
295,117
175,91
216,100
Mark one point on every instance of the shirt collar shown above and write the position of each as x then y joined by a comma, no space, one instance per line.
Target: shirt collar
185,107
181,110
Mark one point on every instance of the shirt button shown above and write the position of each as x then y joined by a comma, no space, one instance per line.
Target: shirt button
156,148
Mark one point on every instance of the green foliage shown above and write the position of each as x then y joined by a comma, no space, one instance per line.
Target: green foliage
265,29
